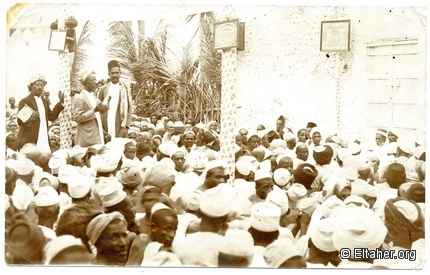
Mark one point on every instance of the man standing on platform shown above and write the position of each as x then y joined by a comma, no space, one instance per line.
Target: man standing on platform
35,129
117,95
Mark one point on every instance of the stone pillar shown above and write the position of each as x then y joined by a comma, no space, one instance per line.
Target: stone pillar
66,115
228,103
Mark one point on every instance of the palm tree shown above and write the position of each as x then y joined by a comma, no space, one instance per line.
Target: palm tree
81,57
191,90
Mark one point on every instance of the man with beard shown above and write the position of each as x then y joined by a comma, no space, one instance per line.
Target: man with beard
117,96
35,129
108,233
87,112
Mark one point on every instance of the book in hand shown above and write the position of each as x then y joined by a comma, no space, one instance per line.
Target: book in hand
25,113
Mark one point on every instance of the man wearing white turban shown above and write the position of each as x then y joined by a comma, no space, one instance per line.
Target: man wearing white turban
35,128
86,112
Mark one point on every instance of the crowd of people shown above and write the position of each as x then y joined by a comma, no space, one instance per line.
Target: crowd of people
134,191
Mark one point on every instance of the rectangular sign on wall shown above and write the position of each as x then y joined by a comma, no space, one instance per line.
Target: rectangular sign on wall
335,36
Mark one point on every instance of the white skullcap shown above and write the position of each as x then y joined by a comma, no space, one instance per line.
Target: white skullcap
55,163
288,136
23,165
79,186
237,242
241,206
148,161
87,171
58,244
280,251
192,199
296,192
252,160
78,151
176,150
405,147
279,198
278,146
213,164
197,160
321,234
166,147
178,124
66,172
358,227
265,216
282,176
243,167
111,195
108,160
262,174
46,196
364,190
159,206
216,201
61,153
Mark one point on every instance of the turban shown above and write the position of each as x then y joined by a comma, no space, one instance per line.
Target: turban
192,199
130,176
416,192
26,240
358,227
84,74
331,207
394,131
355,201
404,212
161,174
24,166
278,146
280,251
305,174
382,132
265,217
321,234
47,196
334,185
214,164
323,154
79,186
36,78
238,242
58,244
216,202
98,224
297,192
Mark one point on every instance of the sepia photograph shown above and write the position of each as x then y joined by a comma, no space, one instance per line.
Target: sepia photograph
194,136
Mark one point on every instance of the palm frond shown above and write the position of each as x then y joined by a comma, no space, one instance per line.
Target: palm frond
82,56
